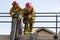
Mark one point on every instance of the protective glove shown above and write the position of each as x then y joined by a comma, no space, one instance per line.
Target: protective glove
33,18
12,13
29,16
20,17
15,15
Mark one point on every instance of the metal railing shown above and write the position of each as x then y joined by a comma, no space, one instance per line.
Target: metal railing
56,15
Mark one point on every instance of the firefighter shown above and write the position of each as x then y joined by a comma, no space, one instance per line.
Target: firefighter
28,17
14,11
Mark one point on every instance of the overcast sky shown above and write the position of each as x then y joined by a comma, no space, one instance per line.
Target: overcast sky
39,6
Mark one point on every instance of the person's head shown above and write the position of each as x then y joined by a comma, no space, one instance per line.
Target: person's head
15,4
28,6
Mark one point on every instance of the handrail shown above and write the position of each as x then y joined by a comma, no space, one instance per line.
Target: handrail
57,14
41,13
35,21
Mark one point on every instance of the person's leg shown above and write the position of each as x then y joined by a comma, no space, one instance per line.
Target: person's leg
25,28
19,27
31,25
14,21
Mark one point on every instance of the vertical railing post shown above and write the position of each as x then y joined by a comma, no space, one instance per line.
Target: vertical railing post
55,36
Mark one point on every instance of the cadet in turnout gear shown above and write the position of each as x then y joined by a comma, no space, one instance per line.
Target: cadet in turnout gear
28,17
14,12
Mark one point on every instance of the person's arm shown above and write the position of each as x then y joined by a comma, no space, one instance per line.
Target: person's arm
21,14
32,14
19,8
11,12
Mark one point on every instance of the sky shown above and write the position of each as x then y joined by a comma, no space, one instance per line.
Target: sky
39,6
